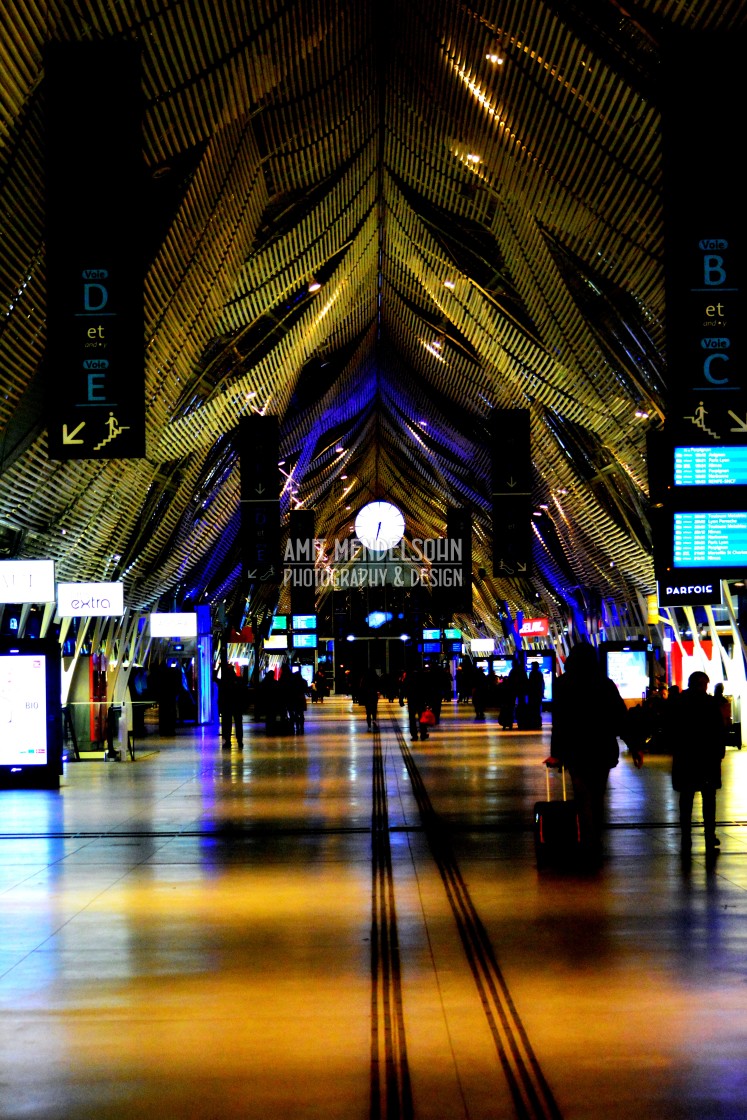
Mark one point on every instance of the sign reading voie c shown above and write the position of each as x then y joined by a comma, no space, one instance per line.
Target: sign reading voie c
104,600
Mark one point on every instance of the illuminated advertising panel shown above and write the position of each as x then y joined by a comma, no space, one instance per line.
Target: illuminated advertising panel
27,581
535,628
276,641
628,668
546,662
173,625
103,600
502,666
482,645
23,710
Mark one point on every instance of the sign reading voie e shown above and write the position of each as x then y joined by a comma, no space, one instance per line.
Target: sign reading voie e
105,600
27,581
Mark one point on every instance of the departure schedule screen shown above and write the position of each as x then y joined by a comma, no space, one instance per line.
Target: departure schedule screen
710,540
23,710
710,466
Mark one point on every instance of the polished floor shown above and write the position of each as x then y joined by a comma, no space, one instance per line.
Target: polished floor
347,925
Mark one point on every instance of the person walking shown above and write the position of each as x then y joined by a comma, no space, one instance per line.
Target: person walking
479,694
535,696
368,695
231,697
588,716
416,691
698,746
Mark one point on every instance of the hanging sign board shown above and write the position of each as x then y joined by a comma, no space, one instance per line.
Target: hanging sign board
27,581
94,600
173,625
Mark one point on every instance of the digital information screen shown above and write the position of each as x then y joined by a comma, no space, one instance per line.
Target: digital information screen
546,667
304,622
628,668
23,710
304,641
502,666
710,466
710,540
279,622
431,647
431,635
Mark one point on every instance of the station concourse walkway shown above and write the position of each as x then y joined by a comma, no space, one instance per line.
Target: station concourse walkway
345,925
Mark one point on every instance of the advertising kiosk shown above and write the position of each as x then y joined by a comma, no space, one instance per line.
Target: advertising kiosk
30,714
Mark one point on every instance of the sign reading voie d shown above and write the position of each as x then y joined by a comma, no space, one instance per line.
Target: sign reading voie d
27,581
105,600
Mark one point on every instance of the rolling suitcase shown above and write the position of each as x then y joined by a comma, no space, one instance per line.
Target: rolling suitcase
557,834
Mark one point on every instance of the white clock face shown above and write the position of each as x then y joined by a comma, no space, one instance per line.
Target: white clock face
379,526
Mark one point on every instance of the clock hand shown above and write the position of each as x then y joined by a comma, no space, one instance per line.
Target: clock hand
378,531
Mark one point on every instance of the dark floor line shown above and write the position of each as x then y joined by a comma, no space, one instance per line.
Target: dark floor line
239,832
391,1090
533,1099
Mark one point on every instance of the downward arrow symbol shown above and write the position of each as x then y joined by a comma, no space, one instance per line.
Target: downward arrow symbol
742,423
69,437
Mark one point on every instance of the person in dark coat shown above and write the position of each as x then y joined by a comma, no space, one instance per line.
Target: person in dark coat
479,694
698,745
518,681
535,695
231,697
416,691
368,696
588,716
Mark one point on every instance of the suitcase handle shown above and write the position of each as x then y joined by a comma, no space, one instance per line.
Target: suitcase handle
553,763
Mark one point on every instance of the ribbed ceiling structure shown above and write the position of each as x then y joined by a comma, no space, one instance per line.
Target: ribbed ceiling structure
477,189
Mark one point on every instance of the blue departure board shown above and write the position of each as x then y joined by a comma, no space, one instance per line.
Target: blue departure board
710,540
304,641
710,466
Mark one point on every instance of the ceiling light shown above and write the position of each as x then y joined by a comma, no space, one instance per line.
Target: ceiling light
641,414
314,285
450,284
339,450
473,157
343,477
495,57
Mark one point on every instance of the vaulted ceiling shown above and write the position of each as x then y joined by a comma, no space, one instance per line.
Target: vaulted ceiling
477,189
